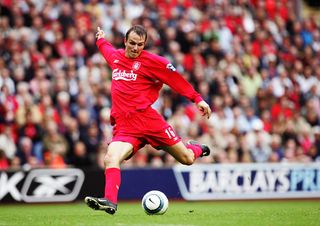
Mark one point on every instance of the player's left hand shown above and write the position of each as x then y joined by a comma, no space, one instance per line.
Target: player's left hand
204,108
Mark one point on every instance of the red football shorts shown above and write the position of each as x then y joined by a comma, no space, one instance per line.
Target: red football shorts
143,127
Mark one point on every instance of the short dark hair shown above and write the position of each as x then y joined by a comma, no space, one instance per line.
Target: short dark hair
139,30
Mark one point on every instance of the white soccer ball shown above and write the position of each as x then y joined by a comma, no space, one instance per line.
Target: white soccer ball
155,203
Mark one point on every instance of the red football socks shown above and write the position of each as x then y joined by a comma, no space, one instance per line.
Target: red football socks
112,184
196,149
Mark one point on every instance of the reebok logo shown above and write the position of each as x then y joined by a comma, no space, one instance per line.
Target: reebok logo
43,185
50,186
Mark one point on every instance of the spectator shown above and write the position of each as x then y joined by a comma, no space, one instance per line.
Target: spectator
7,141
91,139
8,104
63,104
260,151
47,109
315,149
282,109
250,83
290,151
72,134
6,82
25,155
33,130
4,162
38,81
55,146
244,150
277,148
80,157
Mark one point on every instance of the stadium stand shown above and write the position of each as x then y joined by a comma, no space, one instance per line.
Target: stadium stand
256,62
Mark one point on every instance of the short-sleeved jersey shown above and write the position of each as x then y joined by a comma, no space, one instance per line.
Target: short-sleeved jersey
136,81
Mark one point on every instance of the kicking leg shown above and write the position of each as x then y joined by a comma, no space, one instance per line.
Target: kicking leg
187,154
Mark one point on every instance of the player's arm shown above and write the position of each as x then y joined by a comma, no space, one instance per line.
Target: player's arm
172,78
183,87
104,46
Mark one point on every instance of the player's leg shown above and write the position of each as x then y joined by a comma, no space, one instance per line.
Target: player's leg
159,133
187,154
117,152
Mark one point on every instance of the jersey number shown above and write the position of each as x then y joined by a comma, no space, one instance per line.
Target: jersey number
169,131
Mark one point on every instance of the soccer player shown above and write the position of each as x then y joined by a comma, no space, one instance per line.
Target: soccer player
137,77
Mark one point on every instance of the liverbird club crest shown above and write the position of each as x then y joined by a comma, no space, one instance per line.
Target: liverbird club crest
136,65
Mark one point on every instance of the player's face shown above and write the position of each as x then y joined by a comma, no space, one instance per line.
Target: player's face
134,45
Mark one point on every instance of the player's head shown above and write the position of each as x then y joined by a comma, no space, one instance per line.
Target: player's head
135,41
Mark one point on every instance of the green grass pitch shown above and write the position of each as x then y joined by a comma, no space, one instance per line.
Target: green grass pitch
246,213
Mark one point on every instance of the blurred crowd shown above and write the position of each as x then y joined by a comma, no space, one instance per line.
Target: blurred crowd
257,62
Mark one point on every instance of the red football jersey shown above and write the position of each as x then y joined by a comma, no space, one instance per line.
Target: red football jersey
136,81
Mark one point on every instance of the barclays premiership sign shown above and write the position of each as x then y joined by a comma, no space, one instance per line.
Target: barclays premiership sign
196,182
248,181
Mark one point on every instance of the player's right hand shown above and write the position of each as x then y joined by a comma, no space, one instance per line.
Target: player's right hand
100,33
